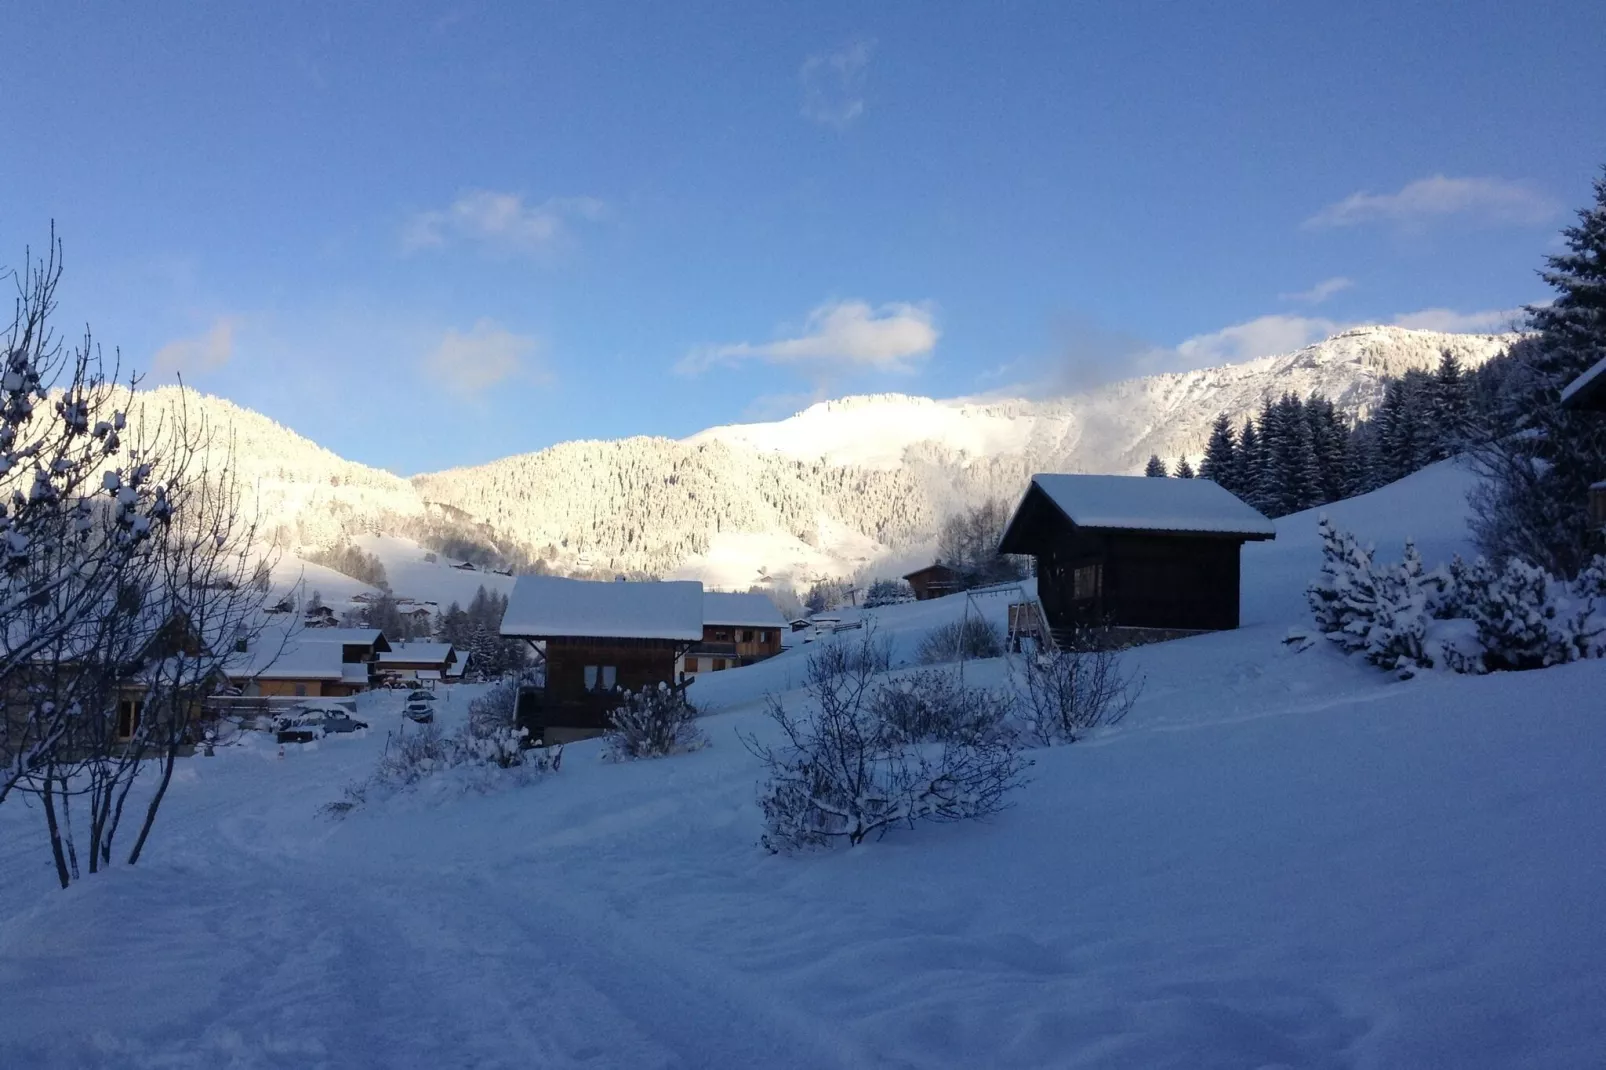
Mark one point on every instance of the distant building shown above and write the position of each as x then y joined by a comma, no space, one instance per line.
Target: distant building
934,581
738,629
594,639
308,663
1587,393
1133,552
424,662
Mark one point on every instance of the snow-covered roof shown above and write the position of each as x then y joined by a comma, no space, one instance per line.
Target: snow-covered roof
741,610
345,636
1145,503
543,606
416,653
273,657
1588,391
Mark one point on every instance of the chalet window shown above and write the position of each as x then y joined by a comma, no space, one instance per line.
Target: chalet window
129,711
719,663
601,677
301,691
610,674
591,677
1086,581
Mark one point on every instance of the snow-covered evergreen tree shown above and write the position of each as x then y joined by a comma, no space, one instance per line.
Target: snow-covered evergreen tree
1220,464
1533,502
1155,467
1184,470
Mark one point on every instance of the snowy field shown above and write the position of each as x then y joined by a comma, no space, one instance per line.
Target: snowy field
1279,860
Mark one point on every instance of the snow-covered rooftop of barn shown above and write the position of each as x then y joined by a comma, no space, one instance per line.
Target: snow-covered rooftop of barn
551,605
1146,503
273,656
1588,383
741,610
351,636
419,653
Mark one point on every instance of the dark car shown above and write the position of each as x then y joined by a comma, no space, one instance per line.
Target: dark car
303,724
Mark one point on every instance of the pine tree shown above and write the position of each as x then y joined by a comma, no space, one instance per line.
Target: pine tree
1155,467
1268,484
1533,502
1220,463
1450,408
1246,466
1184,470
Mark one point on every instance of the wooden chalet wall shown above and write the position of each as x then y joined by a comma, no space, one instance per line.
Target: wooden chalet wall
1127,578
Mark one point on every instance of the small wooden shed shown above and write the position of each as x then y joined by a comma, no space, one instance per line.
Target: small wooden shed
934,581
1134,552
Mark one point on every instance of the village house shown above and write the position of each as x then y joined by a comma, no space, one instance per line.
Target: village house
1587,393
1157,556
309,663
594,639
934,581
738,629
424,662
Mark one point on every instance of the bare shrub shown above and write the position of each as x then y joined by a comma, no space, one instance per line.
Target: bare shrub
652,723
934,706
969,638
412,756
845,773
1068,692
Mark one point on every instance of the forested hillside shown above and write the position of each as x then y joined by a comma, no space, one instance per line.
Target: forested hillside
840,485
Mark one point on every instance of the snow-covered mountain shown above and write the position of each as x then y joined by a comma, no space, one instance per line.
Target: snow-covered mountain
838,488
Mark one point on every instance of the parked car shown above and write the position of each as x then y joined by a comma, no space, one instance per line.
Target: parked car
303,724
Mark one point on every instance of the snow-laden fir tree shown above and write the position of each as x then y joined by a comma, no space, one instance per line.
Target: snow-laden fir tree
1184,470
1537,470
1155,467
1220,464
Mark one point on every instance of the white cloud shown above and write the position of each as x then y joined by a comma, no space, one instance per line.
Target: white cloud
888,338
833,84
1261,337
502,220
1491,321
469,364
1320,292
1484,200
201,353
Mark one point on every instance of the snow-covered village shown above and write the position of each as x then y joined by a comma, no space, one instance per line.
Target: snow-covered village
701,536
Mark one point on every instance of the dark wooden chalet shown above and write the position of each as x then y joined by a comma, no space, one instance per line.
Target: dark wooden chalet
1134,552
594,640
1587,393
934,581
738,629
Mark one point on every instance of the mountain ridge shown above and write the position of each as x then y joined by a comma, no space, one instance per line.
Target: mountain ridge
841,487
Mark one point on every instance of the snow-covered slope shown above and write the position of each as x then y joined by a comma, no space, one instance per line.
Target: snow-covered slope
1114,428
1279,859
829,492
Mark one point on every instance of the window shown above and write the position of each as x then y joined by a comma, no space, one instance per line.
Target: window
719,663
301,691
601,677
128,714
1086,581
610,673
591,677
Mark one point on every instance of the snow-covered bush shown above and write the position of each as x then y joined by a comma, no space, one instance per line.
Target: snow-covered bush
933,706
967,638
412,756
844,773
1381,612
1525,618
652,723
1469,617
1065,693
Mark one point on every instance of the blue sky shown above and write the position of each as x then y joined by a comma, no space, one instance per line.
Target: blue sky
428,234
